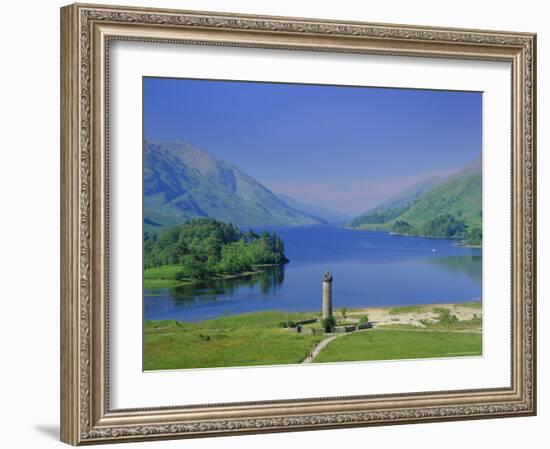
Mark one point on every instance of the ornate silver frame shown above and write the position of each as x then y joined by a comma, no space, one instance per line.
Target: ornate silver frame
86,32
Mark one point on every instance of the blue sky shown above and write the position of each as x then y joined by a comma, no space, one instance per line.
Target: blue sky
345,148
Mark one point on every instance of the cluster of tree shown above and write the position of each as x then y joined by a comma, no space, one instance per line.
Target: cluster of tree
446,225
206,247
446,317
474,236
402,227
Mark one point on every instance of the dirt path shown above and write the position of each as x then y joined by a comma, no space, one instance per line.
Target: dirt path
317,349
323,343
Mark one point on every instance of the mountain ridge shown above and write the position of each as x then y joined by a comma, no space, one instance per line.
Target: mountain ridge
323,213
451,209
182,182
399,200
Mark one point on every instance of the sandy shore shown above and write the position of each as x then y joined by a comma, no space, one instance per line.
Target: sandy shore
381,316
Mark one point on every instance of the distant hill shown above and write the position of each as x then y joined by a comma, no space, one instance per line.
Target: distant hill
395,203
451,208
182,182
324,214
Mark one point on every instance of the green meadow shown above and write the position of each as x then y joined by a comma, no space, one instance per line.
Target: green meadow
239,340
165,277
162,277
386,343
261,338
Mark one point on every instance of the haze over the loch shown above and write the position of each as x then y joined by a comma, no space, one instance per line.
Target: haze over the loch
302,142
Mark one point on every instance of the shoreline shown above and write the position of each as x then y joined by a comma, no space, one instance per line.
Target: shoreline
173,283
463,245
407,314
420,315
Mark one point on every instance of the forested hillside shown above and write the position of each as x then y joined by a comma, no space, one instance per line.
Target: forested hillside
204,248
452,209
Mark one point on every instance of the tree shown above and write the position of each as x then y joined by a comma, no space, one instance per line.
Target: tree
446,225
328,323
402,227
250,236
344,312
191,268
206,247
475,236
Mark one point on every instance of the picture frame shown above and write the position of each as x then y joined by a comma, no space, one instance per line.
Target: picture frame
87,33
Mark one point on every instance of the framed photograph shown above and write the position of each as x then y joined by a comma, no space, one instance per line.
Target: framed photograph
279,224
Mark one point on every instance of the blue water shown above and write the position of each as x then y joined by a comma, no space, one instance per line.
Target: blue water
369,268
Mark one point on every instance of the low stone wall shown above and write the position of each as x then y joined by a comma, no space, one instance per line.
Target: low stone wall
345,329
337,330
311,321
298,325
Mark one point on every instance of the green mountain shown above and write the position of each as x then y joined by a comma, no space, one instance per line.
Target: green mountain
182,182
314,210
452,208
397,204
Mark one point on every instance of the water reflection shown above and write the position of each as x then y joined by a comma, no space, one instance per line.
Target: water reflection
268,280
469,265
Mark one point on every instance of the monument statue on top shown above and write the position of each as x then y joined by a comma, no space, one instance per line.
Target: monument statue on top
327,294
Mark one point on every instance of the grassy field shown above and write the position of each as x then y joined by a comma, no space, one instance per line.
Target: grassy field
240,340
165,276
261,339
386,343
161,277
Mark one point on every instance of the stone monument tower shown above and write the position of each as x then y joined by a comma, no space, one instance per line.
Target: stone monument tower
327,294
